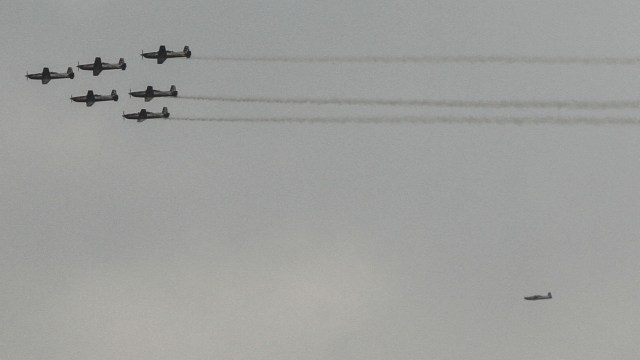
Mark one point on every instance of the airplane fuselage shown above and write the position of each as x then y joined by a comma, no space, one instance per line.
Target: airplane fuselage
90,98
144,115
45,76
538,297
150,93
98,66
163,54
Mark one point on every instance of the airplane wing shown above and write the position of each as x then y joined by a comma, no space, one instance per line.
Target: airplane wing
161,59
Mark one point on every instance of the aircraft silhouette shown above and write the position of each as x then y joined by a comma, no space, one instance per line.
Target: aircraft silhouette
144,115
90,98
150,93
98,66
47,75
163,54
538,297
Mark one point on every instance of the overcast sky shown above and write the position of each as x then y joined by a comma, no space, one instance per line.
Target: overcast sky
188,240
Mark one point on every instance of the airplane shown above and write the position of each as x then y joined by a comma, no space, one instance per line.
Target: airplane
144,115
47,75
538,297
98,66
90,99
162,54
149,94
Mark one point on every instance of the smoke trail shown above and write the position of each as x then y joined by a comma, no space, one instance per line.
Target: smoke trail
500,104
426,120
468,59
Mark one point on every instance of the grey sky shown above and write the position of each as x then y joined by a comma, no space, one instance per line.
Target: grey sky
202,240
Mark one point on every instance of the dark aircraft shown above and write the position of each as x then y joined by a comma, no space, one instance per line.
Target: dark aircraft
162,54
538,297
98,66
149,94
47,75
144,115
90,99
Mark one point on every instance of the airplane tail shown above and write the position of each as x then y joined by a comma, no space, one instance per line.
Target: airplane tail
114,95
549,295
123,65
187,51
165,112
70,72
173,90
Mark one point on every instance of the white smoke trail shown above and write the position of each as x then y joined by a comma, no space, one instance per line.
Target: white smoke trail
470,59
500,104
472,120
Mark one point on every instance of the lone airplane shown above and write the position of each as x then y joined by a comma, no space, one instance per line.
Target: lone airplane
162,54
90,99
149,94
47,75
98,66
144,115
538,297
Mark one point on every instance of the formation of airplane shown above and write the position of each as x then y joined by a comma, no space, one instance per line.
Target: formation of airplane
150,93
538,297
98,66
47,75
163,54
91,98
144,115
